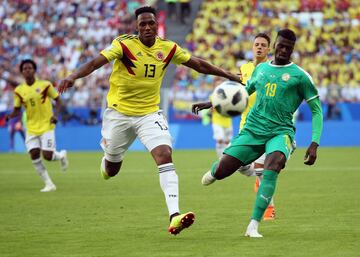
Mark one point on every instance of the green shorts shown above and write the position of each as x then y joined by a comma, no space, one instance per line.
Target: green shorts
247,147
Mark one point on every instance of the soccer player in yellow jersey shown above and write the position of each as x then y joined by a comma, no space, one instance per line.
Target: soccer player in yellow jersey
260,49
222,129
35,94
140,62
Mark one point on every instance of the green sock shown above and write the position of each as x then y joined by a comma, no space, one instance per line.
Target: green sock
213,168
265,193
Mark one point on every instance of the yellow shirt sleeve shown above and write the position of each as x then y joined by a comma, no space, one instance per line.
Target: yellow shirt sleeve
52,93
113,51
180,56
17,99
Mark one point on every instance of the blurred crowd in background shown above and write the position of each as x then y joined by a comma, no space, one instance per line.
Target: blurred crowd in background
60,35
328,44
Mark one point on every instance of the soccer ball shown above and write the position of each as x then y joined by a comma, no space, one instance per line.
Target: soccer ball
229,98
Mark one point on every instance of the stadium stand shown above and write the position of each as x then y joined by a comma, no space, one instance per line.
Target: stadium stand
61,35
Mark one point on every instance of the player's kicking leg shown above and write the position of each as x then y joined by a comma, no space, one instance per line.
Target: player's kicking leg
221,169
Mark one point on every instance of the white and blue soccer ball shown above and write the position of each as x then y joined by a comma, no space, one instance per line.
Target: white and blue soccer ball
229,98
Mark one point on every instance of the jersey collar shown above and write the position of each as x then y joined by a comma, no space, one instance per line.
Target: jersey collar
274,65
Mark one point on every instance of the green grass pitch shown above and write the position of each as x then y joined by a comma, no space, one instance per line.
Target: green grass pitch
318,209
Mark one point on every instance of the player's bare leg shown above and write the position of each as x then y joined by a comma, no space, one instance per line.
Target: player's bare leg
41,170
162,155
57,156
109,169
221,169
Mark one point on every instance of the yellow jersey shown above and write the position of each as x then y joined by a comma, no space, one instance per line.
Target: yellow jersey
246,72
220,120
38,107
138,71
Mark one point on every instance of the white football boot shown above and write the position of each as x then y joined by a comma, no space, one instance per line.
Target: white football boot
64,162
252,229
207,179
48,188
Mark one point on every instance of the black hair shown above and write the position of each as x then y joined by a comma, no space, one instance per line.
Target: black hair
145,9
288,34
263,35
23,62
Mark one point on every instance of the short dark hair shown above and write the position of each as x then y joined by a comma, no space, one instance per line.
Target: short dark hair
23,62
263,35
145,9
288,34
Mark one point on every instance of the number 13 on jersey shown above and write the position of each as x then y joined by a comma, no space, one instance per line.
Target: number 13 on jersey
270,89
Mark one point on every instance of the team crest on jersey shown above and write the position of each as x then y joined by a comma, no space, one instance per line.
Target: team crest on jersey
37,90
285,77
159,56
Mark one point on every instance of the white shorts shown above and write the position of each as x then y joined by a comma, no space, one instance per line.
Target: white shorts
221,133
119,132
45,142
261,159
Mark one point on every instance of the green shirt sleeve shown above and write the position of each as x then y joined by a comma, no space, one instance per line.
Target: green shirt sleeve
317,119
308,89
250,84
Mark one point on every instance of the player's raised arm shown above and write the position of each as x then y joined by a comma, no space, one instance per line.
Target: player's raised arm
205,67
83,71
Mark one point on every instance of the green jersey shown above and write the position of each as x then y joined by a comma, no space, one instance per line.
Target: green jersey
280,89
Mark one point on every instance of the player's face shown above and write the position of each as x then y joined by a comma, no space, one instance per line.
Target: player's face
147,27
260,48
28,71
283,50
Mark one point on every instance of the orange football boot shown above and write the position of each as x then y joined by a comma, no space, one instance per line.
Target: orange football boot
269,213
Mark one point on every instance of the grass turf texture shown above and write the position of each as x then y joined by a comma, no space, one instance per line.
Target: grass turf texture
317,209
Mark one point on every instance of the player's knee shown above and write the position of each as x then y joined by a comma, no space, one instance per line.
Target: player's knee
34,153
47,155
162,154
227,166
275,161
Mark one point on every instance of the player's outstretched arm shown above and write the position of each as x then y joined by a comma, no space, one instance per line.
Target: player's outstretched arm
205,67
83,71
317,125
200,106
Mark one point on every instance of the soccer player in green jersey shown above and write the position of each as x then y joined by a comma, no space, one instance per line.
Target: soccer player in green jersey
280,86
